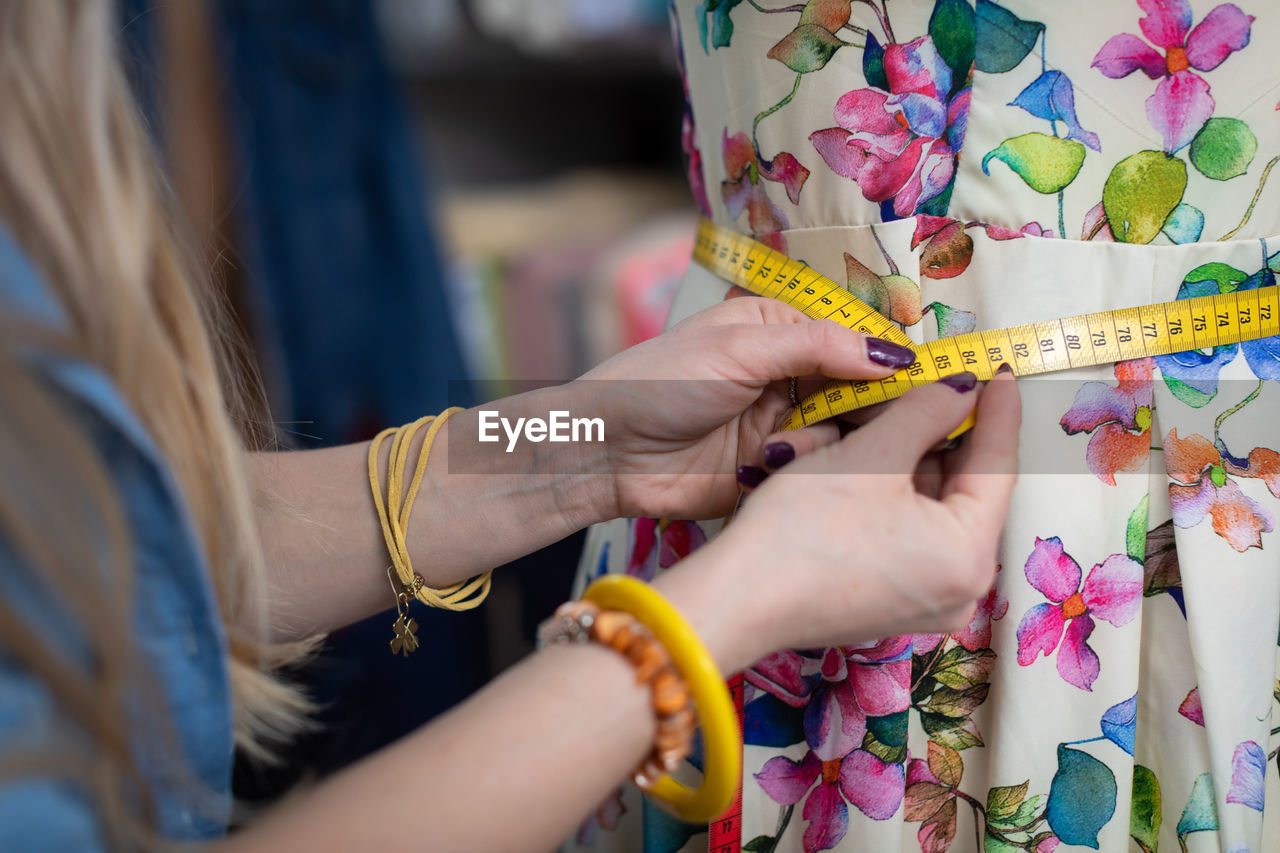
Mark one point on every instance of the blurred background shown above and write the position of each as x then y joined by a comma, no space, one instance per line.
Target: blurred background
412,204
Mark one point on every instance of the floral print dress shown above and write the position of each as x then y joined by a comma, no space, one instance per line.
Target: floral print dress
961,165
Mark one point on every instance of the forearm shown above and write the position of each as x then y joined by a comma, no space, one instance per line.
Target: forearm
325,550
517,766
514,768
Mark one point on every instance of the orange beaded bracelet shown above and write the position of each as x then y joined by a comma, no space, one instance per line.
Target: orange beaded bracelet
583,621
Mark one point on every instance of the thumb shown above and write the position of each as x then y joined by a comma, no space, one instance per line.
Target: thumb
911,426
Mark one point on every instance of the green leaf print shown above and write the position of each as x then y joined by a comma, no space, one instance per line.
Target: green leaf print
1082,797
1144,812
1026,813
873,64
1140,193
886,737
952,321
991,844
1223,149
957,703
1135,534
1185,224
1003,803
831,15
961,668
1047,163
1227,277
958,734
720,24
1201,813
806,48
1006,38
890,730
954,34
1193,397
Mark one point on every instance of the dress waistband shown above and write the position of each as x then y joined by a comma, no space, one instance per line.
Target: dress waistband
969,275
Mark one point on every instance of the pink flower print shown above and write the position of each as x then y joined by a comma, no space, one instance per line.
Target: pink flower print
977,634
899,144
742,190
1191,707
679,539
922,644
1031,229
654,543
693,164
1200,487
879,674
1118,418
779,674
689,133
874,786
1181,103
839,688
1248,771
1112,592
857,682
642,556
1096,228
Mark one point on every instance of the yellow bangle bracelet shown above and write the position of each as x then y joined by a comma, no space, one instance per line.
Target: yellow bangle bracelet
722,745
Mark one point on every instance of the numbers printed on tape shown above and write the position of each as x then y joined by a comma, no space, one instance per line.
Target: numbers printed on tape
726,830
1086,339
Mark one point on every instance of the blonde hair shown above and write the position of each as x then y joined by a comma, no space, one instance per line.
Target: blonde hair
81,192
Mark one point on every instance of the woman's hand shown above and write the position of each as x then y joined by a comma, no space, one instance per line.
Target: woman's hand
687,409
846,544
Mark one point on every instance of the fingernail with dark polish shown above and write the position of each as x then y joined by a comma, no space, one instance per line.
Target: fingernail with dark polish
778,453
960,382
751,476
1004,367
888,353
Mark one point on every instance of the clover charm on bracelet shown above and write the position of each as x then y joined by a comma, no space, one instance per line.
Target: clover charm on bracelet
406,627
406,639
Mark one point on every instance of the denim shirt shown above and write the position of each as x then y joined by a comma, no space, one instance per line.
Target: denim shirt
177,629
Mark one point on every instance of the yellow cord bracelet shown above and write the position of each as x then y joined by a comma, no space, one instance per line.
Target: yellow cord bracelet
394,515
722,762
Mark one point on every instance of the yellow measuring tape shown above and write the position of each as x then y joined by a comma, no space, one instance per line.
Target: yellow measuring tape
1085,339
